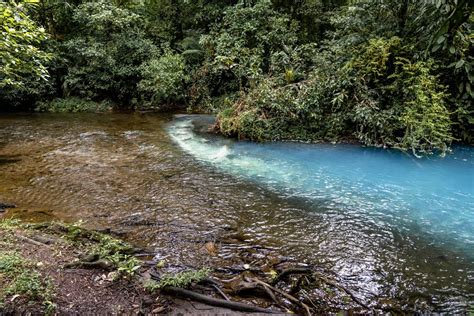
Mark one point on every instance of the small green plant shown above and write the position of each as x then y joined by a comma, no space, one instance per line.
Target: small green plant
49,307
109,245
182,279
126,265
11,263
27,283
19,278
9,224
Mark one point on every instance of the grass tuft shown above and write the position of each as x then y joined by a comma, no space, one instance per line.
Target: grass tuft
182,280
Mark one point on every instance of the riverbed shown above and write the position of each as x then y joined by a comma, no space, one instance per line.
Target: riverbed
392,227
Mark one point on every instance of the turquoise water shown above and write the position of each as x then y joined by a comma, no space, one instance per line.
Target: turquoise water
396,229
389,188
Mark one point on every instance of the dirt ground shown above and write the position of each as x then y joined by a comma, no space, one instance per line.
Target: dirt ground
79,291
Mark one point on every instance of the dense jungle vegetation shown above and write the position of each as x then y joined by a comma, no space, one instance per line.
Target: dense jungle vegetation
385,73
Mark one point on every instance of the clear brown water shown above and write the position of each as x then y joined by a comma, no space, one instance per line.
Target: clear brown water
123,171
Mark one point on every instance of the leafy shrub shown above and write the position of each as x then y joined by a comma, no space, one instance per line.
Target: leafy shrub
375,97
267,112
425,117
104,56
163,80
20,52
73,104
240,48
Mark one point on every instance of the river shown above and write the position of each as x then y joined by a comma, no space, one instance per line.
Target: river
390,226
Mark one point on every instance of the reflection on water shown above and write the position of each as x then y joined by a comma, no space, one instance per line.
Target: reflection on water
391,227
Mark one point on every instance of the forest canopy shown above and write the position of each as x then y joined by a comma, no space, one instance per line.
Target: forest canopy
384,73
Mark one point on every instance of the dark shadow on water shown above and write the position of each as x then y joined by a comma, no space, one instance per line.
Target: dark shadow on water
8,159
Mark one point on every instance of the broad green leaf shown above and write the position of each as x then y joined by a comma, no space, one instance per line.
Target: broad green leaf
459,63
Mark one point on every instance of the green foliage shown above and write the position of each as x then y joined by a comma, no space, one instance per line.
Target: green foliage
29,283
108,246
182,279
243,46
11,263
126,265
267,112
104,55
163,80
7,224
21,279
117,252
371,59
102,19
24,57
393,73
370,81
375,97
425,117
373,111
73,104
20,52
172,21
457,65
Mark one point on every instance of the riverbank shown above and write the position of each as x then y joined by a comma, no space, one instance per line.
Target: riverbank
53,268
62,269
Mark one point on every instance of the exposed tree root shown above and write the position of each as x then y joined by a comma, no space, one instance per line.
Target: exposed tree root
44,240
99,264
221,293
31,241
286,295
4,206
216,302
236,270
291,271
